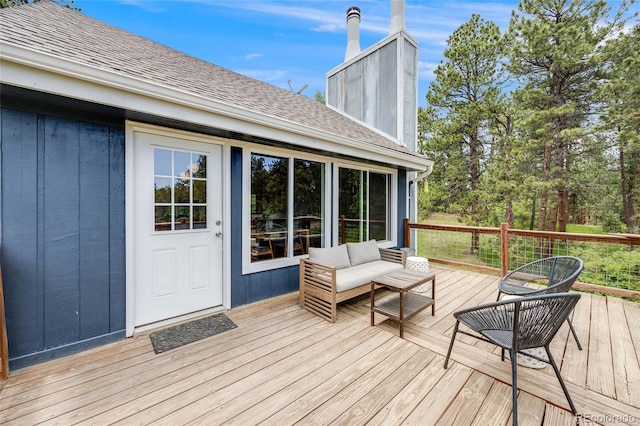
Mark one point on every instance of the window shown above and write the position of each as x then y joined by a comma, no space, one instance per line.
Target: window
287,207
180,190
363,205
309,203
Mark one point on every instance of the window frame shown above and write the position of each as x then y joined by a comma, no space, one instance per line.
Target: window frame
249,267
392,200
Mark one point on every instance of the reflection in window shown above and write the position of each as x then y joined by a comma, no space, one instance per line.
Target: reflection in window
180,187
273,236
363,205
269,185
308,205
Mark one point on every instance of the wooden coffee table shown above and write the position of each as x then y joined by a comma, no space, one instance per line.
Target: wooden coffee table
405,304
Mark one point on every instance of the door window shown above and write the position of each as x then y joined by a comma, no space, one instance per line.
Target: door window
180,190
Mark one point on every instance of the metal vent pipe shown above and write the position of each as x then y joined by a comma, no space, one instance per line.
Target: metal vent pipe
353,33
397,16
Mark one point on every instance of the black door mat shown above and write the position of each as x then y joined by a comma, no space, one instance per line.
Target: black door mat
180,335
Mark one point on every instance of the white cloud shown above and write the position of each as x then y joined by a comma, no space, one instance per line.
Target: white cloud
251,56
426,69
264,75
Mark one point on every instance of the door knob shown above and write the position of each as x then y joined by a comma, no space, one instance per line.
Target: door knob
218,234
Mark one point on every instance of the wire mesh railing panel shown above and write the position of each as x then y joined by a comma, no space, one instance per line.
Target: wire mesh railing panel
612,261
465,247
607,264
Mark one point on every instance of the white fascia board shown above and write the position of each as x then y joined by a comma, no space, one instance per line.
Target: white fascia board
29,68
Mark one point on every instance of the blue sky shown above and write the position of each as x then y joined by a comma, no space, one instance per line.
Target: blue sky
290,43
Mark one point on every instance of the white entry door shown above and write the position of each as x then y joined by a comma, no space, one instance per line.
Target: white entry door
177,227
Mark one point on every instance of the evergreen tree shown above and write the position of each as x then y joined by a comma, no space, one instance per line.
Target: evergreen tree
620,97
454,126
555,54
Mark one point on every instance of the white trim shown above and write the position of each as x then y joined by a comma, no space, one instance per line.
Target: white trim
130,128
249,267
393,200
29,68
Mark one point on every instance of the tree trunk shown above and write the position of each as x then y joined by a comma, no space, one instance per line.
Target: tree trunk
509,217
626,191
542,217
474,171
533,213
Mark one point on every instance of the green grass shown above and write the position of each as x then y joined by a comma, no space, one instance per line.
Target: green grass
584,229
443,219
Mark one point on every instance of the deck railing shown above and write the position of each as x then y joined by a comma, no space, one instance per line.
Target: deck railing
612,262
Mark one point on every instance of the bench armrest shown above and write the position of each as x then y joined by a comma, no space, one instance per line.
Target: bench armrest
393,255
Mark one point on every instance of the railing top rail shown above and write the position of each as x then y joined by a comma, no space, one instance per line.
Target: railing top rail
459,228
609,238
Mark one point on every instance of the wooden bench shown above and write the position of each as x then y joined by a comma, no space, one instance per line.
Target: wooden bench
323,286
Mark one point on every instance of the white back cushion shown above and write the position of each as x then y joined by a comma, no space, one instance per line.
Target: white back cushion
363,252
338,257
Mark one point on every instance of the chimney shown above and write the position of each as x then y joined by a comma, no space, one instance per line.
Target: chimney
353,33
397,16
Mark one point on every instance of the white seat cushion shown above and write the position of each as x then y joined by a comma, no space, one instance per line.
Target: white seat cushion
349,278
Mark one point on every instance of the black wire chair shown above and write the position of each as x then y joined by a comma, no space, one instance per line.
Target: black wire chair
558,273
519,324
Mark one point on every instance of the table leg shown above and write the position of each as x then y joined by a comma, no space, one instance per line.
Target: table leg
372,302
433,296
401,314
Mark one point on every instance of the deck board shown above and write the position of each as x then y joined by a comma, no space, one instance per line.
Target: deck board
626,368
282,365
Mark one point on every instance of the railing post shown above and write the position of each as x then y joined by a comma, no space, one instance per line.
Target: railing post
407,233
343,237
504,249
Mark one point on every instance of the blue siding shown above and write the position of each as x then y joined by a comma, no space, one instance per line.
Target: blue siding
62,216
402,205
260,285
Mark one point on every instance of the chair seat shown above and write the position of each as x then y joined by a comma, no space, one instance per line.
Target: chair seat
507,287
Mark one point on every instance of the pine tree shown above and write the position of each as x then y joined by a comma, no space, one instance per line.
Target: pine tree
460,100
555,54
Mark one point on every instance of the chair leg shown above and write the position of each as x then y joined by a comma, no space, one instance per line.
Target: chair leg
499,294
514,385
453,338
575,335
564,388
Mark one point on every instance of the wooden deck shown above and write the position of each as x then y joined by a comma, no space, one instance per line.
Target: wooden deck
283,365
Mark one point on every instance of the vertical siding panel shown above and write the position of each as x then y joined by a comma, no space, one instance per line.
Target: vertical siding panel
279,281
239,283
62,223
61,232
387,106
117,260
260,286
403,196
94,231
294,278
22,286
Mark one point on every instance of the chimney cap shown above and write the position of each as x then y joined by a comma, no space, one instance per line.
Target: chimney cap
353,12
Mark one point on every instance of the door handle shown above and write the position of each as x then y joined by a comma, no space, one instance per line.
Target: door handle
218,234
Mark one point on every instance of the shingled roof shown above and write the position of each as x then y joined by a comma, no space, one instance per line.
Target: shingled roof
47,27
